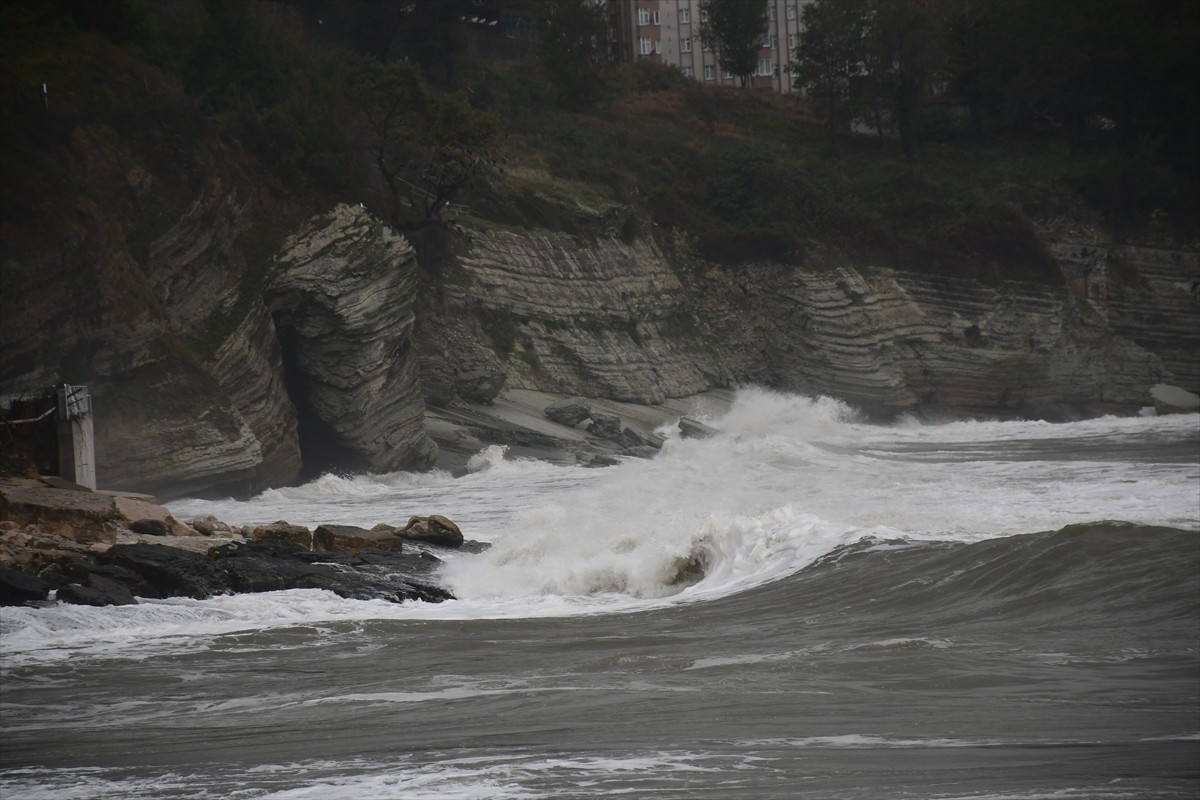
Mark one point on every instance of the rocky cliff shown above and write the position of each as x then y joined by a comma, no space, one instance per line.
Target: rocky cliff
596,316
601,316
341,298
231,344
207,343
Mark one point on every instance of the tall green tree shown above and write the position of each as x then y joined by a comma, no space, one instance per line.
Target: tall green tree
572,47
830,47
734,29
969,50
902,54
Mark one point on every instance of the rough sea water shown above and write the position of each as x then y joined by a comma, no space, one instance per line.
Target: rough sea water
804,606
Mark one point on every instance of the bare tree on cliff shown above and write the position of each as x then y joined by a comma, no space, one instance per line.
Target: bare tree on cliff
734,29
427,147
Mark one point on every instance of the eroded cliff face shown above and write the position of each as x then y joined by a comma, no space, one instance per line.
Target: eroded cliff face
597,316
602,317
891,342
231,346
151,287
341,298
84,302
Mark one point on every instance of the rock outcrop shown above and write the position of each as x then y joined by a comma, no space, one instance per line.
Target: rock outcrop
599,316
889,342
82,543
593,316
1150,296
341,298
161,307
231,344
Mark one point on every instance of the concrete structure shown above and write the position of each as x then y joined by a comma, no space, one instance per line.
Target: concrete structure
668,32
76,442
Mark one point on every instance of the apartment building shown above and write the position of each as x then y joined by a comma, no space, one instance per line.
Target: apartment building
668,32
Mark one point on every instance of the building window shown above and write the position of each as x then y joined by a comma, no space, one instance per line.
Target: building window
765,67
688,72
643,16
645,46
657,18
727,75
771,13
685,45
708,72
791,12
685,15
793,40
658,46
774,42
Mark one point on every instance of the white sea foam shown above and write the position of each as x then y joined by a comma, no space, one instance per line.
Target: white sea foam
787,481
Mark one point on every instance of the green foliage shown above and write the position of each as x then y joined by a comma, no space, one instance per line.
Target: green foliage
829,46
734,29
572,49
360,107
426,146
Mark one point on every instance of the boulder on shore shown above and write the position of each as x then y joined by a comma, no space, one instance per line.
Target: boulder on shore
569,411
281,530
434,529
1174,400
18,587
352,539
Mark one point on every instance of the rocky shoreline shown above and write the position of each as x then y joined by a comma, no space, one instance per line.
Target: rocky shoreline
104,548
101,548
110,547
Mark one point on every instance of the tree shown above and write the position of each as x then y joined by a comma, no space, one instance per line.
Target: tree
734,29
902,53
427,147
572,48
831,45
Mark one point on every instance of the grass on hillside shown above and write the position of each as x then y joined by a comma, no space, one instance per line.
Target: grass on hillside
755,176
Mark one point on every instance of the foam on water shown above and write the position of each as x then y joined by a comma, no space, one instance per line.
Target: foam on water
787,481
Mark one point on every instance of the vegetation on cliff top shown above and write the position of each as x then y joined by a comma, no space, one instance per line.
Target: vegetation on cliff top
306,90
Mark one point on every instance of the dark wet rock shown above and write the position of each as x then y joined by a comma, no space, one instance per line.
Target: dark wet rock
98,591
351,539
169,571
606,426
150,527
569,411
18,587
259,566
434,529
81,570
691,429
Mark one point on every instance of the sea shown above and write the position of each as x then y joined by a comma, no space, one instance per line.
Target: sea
805,605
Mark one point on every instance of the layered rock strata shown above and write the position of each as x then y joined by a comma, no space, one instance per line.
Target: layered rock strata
890,342
1148,295
341,299
599,317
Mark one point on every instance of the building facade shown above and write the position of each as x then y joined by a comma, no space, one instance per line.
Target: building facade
668,32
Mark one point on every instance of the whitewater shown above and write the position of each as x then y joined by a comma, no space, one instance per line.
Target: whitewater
804,605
